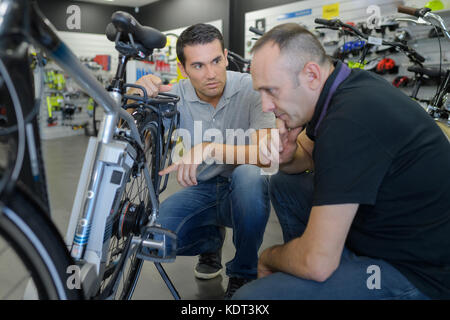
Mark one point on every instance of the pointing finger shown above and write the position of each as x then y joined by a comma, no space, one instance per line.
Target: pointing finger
169,169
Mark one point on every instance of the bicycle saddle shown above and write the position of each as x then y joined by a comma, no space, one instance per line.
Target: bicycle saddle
430,72
125,23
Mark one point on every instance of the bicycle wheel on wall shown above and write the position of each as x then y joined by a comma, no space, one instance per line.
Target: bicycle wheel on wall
34,261
134,210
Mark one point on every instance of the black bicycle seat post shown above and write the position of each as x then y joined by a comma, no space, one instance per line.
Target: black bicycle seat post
118,80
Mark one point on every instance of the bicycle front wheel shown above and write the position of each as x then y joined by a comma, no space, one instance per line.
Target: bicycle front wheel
33,258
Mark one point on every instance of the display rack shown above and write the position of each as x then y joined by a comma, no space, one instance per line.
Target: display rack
65,109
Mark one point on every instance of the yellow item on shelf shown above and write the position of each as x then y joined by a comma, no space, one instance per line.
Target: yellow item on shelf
435,5
60,81
49,106
355,65
51,79
90,105
179,75
330,11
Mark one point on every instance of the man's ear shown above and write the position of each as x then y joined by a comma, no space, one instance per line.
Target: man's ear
182,70
313,75
225,53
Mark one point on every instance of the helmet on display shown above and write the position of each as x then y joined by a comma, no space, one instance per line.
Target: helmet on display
386,65
400,81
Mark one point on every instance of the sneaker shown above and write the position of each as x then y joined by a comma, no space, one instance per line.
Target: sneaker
234,284
209,265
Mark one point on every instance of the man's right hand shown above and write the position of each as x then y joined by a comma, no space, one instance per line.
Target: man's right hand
288,141
280,148
152,84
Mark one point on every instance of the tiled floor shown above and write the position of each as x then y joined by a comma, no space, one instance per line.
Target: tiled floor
64,159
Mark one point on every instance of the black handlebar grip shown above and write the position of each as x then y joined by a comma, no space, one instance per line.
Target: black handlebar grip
325,22
418,57
256,31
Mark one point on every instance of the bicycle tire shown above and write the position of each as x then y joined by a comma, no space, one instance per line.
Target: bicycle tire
134,264
33,239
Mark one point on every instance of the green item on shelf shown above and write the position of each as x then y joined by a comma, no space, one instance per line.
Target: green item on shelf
59,100
355,65
90,105
49,106
435,5
51,79
60,81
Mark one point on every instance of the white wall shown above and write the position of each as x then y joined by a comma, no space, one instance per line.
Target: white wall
90,45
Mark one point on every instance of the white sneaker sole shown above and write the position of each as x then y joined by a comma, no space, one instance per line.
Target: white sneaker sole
207,276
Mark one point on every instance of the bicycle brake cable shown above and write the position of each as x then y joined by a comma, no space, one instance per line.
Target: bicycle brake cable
30,116
8,182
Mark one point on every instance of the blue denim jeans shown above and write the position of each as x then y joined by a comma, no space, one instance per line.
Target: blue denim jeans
357,277
198,215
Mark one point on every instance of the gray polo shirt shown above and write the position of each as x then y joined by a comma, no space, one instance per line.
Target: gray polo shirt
239,109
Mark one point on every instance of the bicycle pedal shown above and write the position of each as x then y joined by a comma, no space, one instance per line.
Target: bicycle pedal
159,245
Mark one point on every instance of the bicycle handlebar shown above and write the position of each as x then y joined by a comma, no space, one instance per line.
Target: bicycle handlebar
417,56
238,58
325,22
419,13
336,24
425,16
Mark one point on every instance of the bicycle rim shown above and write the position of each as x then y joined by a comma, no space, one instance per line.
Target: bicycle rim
134,209
33,262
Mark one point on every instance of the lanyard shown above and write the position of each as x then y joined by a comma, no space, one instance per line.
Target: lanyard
343,73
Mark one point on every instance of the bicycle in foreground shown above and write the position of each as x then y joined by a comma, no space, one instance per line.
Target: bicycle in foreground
112,229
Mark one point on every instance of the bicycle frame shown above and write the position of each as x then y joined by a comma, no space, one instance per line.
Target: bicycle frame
86,237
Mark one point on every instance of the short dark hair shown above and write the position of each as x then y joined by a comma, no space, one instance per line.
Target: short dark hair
296,43
199,33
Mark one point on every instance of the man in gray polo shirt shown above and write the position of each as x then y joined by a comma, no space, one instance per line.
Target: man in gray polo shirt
213,101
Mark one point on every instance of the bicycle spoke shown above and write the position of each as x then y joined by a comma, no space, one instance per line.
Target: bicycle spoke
19,284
